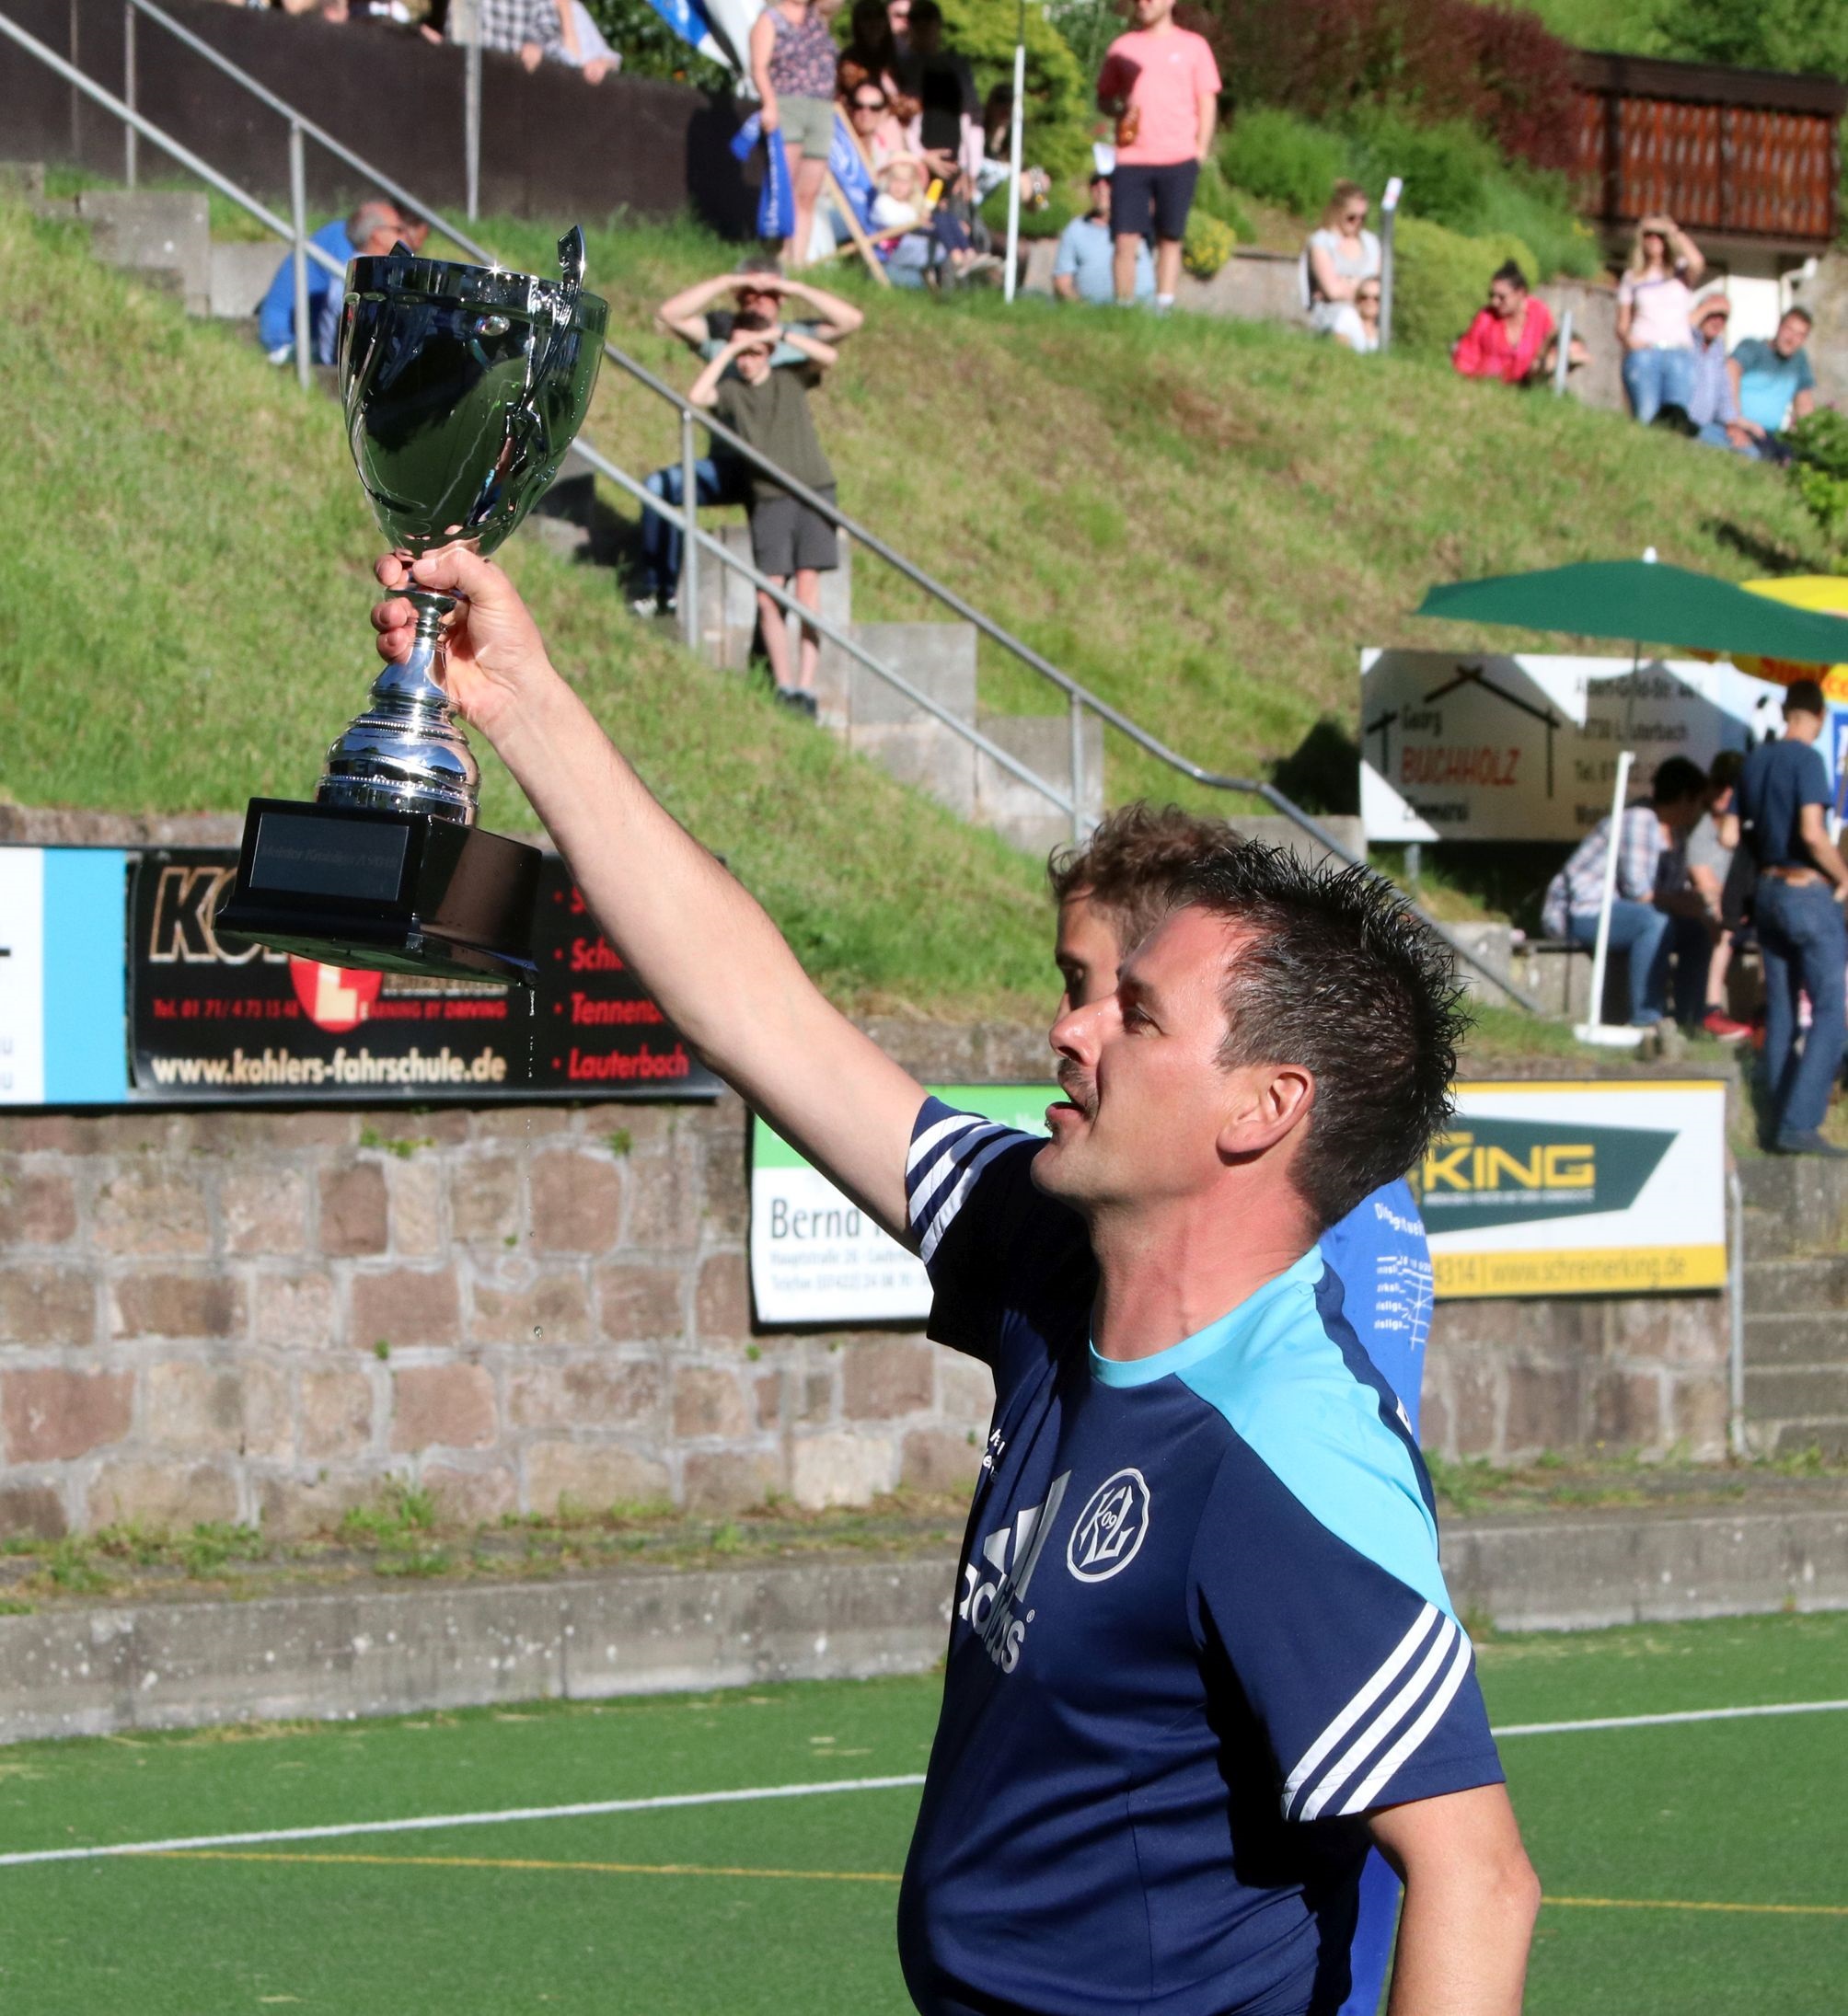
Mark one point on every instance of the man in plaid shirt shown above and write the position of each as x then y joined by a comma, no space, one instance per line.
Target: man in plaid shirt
1655,909
529,30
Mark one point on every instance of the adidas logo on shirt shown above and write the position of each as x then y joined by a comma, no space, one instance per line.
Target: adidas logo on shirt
994,1609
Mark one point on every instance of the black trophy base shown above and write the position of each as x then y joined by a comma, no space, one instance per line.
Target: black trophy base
384,890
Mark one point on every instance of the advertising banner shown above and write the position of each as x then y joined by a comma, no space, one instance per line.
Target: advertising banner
1525,747
1580,1187
62,1024
211,1020
817,1258
1573,1187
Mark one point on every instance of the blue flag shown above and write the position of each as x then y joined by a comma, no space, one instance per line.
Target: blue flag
777,199
847,166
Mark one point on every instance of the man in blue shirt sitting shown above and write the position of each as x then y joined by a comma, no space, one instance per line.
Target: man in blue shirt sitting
370,233
1202,1656
1773,385
1783,793
1082,272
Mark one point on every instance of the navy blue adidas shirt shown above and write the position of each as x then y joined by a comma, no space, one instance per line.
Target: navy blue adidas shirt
1201,1631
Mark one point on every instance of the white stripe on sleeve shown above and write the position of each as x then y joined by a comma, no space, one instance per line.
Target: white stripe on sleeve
953,1203
1381,1773
1382,1726
1362,1701
938,1131
929,1188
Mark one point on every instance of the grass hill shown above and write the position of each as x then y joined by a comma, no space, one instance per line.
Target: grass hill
184,580
1203,520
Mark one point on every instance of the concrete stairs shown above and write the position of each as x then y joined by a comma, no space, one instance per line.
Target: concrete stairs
876,720
1796,1306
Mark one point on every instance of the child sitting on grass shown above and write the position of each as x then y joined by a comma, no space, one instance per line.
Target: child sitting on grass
767,408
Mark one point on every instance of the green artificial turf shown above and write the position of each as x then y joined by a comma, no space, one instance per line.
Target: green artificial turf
1743,1812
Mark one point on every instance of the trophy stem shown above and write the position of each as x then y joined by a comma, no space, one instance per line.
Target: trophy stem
406,752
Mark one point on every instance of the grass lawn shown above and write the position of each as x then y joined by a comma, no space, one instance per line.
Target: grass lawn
1692,1869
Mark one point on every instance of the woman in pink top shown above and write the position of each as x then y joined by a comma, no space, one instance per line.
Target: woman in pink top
1510,338
1653,300
1160,83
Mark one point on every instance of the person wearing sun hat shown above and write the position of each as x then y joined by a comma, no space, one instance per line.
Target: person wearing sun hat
1713,407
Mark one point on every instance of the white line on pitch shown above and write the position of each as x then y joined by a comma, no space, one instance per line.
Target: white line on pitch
666,1800
435,1820
1680,1714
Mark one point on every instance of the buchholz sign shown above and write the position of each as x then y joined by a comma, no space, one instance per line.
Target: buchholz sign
212,1017
1586,1187
817,1258
1525,747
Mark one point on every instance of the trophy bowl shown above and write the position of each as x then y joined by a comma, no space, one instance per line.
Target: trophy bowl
463,388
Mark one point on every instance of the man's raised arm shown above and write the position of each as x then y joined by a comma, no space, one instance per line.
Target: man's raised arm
701,945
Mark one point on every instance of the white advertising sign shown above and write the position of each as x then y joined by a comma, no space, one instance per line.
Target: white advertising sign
1578,1187
22,976
1524,747
817,1258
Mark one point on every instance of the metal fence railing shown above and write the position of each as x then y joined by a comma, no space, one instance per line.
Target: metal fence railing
1069,799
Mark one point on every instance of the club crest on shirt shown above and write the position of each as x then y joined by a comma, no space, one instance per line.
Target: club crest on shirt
1108,1532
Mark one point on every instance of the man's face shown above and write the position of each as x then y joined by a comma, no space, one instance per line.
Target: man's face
899,15
1714,327
1086,950
384,236
1790,334
1100,198
754,365
1146,1096
1152,13
1683,814
754,298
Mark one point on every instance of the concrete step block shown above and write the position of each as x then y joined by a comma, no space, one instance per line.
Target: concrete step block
1802,1197
1798,1437
1797,1287
924,754
938,659
1807,1340
241,271
1042,742
1796,1393
163,229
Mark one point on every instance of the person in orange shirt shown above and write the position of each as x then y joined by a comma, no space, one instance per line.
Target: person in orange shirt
1160,83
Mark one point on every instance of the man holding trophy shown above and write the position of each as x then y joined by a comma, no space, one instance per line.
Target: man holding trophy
1159,1771
1205,1658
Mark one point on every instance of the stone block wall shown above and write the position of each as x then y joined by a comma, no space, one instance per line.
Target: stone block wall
265,1316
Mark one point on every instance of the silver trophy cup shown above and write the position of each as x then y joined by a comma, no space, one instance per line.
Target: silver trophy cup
463,388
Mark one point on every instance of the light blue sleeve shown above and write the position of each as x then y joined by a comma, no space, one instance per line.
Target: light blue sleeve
1067,262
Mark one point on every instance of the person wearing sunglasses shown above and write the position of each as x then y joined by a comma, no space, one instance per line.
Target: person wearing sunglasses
1340,258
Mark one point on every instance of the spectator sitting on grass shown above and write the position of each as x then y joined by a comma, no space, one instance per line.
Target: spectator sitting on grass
1713,406
370,233
1653,301
1366,307
1339,257
1653,910
759,287
789,541
1085,268
1160,85
1513,338
1773,384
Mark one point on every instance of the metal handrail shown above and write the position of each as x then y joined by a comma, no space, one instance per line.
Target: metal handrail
1078,696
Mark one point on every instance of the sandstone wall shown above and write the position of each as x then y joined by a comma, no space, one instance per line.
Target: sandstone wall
218,1315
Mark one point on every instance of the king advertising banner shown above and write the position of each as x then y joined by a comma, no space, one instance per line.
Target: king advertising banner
1576,1187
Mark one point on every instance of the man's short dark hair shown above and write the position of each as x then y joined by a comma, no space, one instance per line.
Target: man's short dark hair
759,262
924,12
1805,696
1801,313
1724,771
1677,779
1135,861
1336,974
